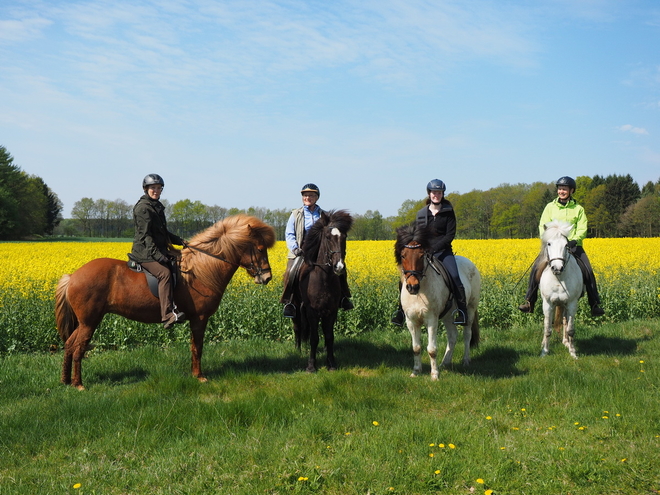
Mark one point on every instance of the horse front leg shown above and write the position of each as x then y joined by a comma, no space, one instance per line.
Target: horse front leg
569,329
197,331
548,312
328,325
313,323
415,330
432,348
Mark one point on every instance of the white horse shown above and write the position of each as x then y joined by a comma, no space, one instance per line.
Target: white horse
561,284
425,297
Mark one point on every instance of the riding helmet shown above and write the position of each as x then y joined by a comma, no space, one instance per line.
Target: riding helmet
435,185
311,188
566,181
152,180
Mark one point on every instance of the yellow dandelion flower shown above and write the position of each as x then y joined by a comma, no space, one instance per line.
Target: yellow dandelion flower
488,418
437,471
452,446
375,423
641,361
303,478
488,492
431,445
480,481
441,445
431,455
77,485
624,459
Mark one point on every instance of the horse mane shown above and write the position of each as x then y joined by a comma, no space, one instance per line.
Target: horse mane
339,219
410,233
227,238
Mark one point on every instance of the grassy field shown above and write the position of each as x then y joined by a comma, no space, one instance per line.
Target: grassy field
511,423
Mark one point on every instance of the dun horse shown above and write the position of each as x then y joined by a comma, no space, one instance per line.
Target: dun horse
107,285
561,285
318,292
426,297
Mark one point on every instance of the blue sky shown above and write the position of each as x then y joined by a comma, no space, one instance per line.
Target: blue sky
240,103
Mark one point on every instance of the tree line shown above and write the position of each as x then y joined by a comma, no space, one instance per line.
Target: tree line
28,207
615,205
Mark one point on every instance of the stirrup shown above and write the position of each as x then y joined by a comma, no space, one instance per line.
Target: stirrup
177,317
459,317
289,310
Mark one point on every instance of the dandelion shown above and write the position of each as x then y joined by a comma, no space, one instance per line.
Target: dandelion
641,361
606,417
431,445
441,445
347,433
431,454
488,418
523,409
624,459
576,423
452,446
375,423
488,492
303,478
480,481
77,485
437,471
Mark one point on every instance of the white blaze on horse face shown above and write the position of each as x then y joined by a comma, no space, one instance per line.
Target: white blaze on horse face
556,255
339,267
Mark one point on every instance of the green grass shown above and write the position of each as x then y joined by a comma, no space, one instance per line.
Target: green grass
521,423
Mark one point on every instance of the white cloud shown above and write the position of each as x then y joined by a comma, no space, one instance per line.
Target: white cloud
634,130
16,30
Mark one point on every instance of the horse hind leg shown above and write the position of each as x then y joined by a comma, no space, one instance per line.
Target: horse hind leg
328,325
569,332
74,352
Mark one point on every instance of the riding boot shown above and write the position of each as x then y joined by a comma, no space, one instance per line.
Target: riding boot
532,292
398,317
346,304
460,316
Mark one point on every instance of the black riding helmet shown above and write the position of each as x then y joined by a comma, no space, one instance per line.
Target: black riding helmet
311,188
435,185
566,181
152,180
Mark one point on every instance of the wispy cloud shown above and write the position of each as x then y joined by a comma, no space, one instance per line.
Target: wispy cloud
632,129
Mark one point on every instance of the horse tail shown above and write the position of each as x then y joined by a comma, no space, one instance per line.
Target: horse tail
476,335
65,318
558,323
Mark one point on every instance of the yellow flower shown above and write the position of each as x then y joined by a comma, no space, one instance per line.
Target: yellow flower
452,446
431,455
488,418
488,492
77,485
480,481
303,478
437,471
375,423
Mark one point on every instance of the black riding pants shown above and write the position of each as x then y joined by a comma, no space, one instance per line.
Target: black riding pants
587,275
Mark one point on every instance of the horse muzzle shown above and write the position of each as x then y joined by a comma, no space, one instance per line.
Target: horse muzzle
263,278
413,289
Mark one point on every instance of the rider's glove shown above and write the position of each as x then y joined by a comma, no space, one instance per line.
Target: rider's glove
297,251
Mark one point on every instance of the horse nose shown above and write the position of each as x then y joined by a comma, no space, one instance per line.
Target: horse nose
339,267
263,278
412,288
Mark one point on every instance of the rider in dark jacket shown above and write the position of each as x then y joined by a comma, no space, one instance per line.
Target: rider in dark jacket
152,245
439,217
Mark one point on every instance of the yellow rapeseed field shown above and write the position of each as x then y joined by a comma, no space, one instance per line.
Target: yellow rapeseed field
34,268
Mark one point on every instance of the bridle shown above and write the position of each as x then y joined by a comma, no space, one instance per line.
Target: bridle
253,268
563,259
416,273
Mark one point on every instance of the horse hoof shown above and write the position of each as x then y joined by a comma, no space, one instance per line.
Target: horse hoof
79,387
435,378
414,374
202,379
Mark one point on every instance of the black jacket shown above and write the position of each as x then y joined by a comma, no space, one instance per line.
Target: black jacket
152,240
442,226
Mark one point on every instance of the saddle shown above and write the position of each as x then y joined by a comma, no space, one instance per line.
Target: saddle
152,281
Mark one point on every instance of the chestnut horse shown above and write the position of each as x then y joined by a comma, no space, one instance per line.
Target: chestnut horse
318,288
207,264
426,297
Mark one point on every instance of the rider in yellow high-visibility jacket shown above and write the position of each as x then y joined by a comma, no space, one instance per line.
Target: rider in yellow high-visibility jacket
564,208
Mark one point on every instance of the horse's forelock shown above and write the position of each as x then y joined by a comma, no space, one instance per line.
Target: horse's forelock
555,228
407,234
340,219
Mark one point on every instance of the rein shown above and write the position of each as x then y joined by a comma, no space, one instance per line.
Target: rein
252,269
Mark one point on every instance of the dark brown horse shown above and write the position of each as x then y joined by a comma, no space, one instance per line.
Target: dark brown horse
107,285
318,292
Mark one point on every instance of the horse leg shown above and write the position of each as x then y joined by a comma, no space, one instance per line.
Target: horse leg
197,330
432,348
68,358
452,337
548,311
313,342
328,325
467,341
569,329
75,348
416,335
